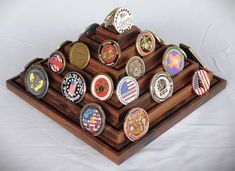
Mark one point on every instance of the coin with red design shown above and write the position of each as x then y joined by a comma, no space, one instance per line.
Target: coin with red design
102,87
57,62
92,118
200,82
136,124
109,52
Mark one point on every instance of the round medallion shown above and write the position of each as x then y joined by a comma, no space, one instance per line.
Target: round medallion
102,87
92,118
173,60
200,82
127,90
135,67
122,20
136,124
57,62
73,87
36,81
109,52
79,55
145,43
161,87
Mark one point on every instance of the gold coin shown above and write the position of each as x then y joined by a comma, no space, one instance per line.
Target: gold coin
79,55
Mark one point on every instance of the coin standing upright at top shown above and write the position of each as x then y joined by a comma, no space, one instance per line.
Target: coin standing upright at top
79,55
121,18
135,67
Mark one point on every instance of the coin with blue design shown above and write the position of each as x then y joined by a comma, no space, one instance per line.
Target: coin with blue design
73,87
173,60
92,118
36,81
127,90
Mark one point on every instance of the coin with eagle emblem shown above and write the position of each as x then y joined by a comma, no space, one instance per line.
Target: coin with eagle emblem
92,118
102,87
145,43
136,124
109,52
36,81
135,67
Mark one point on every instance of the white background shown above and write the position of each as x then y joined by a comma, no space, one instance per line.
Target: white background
205,140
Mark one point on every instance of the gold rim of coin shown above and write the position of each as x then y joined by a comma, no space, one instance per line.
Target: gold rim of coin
79,55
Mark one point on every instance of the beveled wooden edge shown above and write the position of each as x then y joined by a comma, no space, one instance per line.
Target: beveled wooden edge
132,148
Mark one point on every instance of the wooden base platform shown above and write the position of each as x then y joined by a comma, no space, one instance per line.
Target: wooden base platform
162,122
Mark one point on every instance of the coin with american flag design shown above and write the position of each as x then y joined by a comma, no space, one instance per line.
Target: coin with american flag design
92,118
57,62
73,87
200,82
127,90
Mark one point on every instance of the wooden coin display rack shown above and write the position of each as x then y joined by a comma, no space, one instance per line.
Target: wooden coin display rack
112,142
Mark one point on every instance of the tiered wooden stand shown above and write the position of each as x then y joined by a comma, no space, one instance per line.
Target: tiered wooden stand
112,142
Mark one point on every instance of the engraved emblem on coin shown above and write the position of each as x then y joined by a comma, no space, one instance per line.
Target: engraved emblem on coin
109,52
200,82
161,87
79,55
135,67
73,87
145,43
136,124
36,81
92,118
102,87
123,20
173,60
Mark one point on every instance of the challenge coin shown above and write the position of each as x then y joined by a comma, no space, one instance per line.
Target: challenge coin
136,124
73,87
36,81
173,60
135,67
127,90
79,55
57,62
145,43
102,87
200,82
161,87
109,19
92,118
109,52
122,20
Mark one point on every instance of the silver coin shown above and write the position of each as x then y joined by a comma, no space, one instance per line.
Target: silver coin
161,87
127,90
135,67
36,81
123,20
